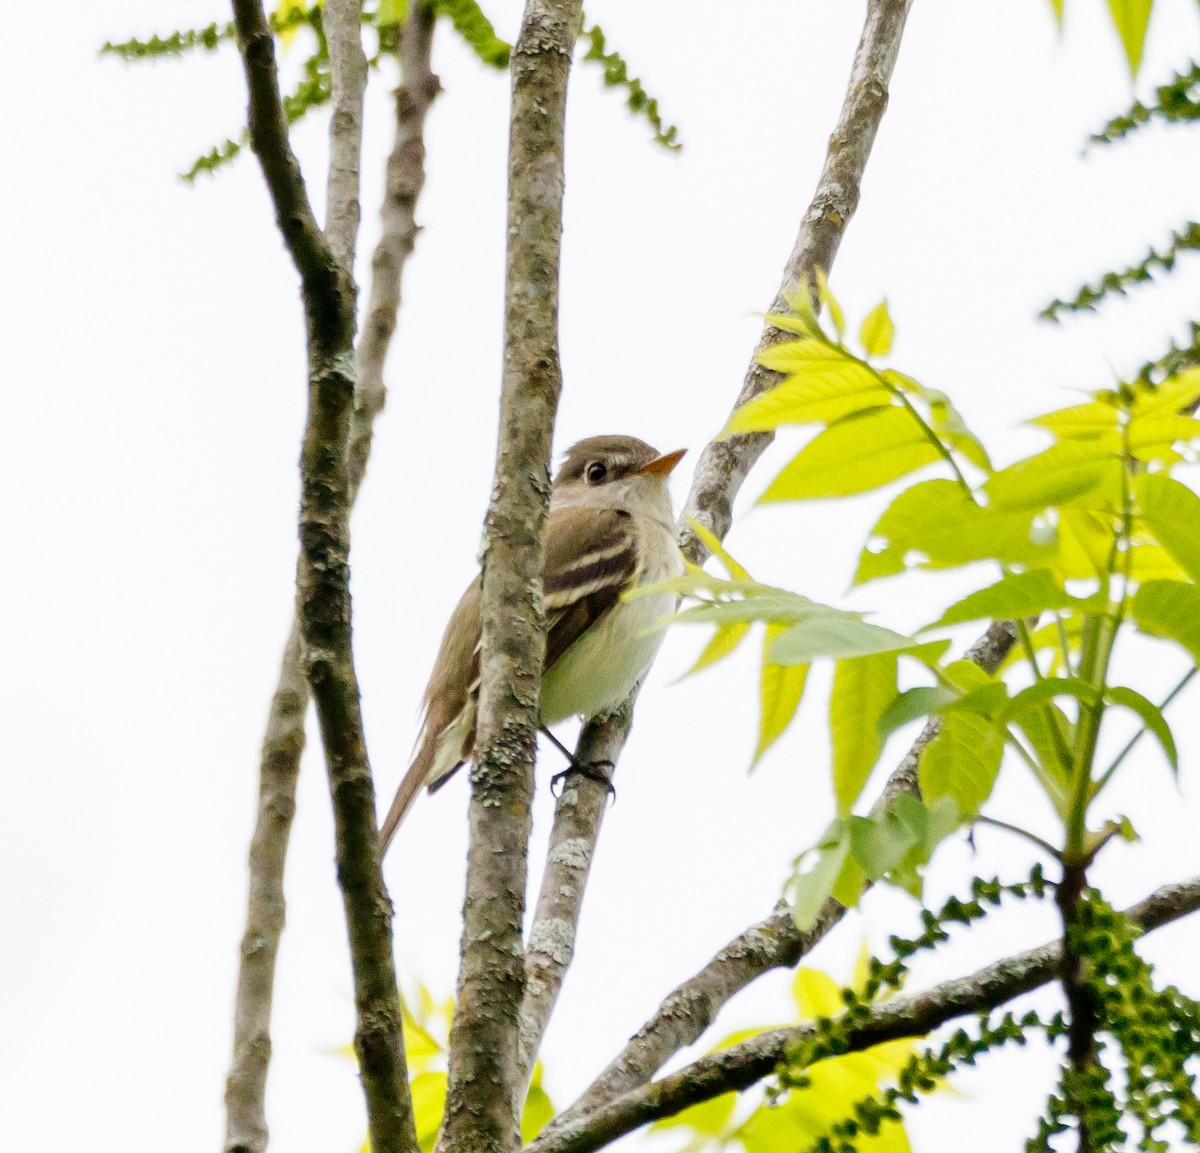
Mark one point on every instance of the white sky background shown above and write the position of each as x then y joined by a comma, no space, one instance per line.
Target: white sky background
155,385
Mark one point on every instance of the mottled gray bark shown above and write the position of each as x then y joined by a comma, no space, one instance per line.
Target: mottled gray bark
245,1092
322,580
719,475
485,1079
915,1015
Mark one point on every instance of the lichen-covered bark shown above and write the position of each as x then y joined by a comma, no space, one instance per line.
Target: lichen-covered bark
283,744
741,1066
573,837
725,464
324,261
485,1080
718,479
246,1085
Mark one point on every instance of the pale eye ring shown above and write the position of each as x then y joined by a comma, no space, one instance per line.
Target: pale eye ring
596,472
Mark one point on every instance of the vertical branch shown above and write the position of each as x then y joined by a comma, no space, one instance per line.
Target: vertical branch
283,744
404,181
485,1077
719,476
246,1085
322,583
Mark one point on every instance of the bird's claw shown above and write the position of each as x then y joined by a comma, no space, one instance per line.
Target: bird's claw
593,770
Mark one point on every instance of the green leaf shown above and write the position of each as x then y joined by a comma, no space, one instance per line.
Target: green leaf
429,1103
1085,540
830,302
1155,437
862,691
809,354
911,705
821,390
877,331
1081,421
476,30
1152,718
781,608
833,634
809,891
720,645
1173,396
935,524
1016,596
711,542
780,691
856,454
962,762
879,846
538,1107
1060,474
1171,511
1043,692
391,12
1130,18
1170,609
1051,773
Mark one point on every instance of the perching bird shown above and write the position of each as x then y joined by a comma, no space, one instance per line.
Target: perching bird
610,528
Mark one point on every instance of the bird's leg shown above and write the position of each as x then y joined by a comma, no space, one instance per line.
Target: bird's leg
593,770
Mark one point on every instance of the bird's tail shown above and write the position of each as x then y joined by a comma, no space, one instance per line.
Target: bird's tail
442,751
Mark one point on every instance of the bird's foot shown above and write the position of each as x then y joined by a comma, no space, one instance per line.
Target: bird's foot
593,770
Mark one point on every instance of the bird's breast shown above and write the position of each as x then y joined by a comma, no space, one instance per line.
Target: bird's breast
600,669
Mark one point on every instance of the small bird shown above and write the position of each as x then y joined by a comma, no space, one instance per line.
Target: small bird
610,528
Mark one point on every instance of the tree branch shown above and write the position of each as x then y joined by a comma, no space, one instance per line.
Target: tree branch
485,1079
323,571
741,1066
719,476
245,1092
773,943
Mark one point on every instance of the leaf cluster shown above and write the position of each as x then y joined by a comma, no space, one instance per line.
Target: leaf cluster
1090,535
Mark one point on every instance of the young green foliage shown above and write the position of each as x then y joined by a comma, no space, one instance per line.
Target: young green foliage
1090,535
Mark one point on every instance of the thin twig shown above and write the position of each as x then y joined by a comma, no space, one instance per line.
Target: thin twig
485,1078
322,579
1024,834
915,1015
719,476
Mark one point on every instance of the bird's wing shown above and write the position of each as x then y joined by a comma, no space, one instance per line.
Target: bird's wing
591,558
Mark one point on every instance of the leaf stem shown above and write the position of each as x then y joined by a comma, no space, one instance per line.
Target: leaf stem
1032,838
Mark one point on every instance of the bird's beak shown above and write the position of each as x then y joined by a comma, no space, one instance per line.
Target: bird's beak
662,465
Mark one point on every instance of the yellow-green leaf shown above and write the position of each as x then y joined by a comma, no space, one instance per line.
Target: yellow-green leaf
391,12
962,761
1014,597
1085,540
862,691
830,302
1058,475
809,399
935,524
1170,609
709,539
1155,437
877,331
1171,511
1131,18
781,688
429,1103
720,645
816,994
1081,421
1175,395
856,454
538,1107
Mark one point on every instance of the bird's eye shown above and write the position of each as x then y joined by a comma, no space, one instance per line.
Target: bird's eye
596,472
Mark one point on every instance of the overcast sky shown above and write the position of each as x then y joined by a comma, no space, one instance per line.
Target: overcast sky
155,385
